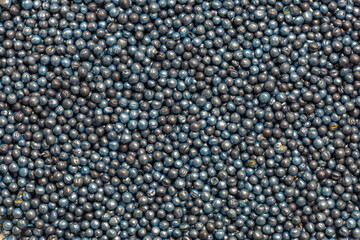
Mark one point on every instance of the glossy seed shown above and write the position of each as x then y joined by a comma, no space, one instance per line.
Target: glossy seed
134,119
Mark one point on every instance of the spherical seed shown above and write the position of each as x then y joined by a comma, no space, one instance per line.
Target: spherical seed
208,120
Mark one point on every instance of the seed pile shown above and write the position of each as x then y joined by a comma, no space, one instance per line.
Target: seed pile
179,119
